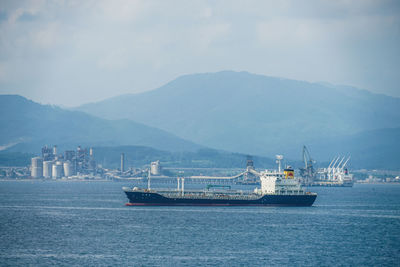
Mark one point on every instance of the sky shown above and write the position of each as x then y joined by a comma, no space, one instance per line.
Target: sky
73,52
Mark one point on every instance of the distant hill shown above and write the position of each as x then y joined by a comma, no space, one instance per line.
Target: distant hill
15,159
255,114
26,126
374,149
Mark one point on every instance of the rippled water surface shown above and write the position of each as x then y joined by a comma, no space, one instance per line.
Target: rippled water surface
86,223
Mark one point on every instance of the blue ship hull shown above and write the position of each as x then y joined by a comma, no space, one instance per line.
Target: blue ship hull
154,199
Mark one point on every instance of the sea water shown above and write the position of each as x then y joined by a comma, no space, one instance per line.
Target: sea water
86,224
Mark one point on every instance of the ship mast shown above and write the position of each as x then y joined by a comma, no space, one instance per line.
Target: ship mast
148,180
279,159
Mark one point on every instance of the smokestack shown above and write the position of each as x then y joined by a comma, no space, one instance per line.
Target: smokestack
122,162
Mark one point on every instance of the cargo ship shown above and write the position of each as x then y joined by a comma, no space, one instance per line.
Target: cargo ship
278,188
334,176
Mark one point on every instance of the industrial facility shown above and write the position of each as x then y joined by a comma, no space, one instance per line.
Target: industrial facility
72,163
336,174
80,163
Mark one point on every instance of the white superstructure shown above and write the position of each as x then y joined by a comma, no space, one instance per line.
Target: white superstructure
279,182
273,182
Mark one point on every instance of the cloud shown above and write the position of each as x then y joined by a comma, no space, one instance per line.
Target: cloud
114,59
92,46
121,10
291,31
48,36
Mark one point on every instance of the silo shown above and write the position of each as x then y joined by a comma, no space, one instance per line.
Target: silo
68,169
57,170
47,169
155,168
37,167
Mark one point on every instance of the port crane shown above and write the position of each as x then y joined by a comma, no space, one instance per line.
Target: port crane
335,171
308,172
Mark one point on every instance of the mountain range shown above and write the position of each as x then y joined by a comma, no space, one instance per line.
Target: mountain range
231,111
27,126
261,115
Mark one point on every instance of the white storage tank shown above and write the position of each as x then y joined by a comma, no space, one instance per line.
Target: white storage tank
47,169
155,168
57,170
68,169
37,167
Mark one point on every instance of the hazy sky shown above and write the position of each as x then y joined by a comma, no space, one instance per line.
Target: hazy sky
73,52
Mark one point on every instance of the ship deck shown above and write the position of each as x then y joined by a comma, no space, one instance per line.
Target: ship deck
210,195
